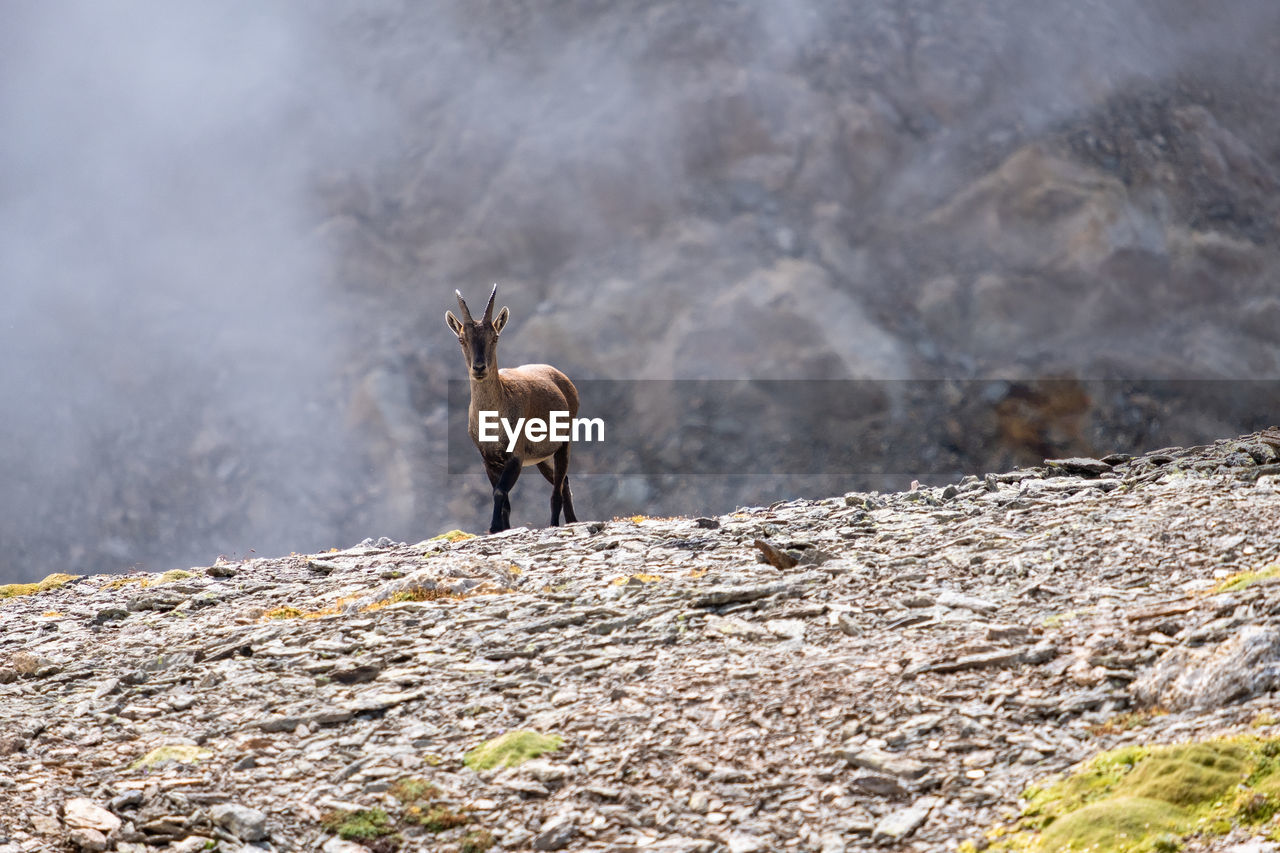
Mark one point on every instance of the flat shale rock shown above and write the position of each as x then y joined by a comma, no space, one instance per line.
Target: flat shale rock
919,665
1241,666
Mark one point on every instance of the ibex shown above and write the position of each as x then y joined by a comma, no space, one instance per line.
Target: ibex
529,391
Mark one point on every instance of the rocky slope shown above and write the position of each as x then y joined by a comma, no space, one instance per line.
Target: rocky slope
822,675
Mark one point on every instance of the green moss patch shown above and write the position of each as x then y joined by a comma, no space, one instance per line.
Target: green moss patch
1150,799
476,841
178,753
511,749
436,818
412,789
1114,824
359,825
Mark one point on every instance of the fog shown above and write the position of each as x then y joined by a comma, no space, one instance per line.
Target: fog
162,292
220,221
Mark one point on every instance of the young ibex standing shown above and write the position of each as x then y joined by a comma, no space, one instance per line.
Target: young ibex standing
529,391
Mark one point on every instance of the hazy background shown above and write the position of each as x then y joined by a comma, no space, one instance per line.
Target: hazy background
229,232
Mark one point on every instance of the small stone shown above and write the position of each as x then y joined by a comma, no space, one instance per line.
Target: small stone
247,824
1040,653
967,602
279,724
880,784
85,838
773,555
740,842
1006,632
545,771
985,660
848,625
832,842
787,629
45,825
734,626
885,762
338,845
698,802
127,800
110,614
901,823
1080,465
191,844
35,666
356,674
707,523
555,834
159,601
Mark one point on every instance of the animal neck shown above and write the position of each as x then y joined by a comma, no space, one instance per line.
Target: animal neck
487,393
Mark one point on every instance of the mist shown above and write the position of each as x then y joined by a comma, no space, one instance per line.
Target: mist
163,297
228,234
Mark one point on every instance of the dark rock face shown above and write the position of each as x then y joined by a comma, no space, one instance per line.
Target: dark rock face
869,190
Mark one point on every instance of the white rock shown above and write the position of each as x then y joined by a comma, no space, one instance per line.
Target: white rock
86,838
81,812
337,845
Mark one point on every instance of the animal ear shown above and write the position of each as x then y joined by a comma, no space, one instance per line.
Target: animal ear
501,319
453,322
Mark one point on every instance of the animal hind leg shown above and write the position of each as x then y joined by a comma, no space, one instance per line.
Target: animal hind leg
549,473
569,516
560,494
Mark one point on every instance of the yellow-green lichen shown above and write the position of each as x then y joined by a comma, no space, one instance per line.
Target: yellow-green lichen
454,536
53,581
168,577
285,612
1142,799
178,753
511,749
1243,580
1055,620
637,579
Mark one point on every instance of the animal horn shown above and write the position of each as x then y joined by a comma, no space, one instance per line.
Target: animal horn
488,309
466,315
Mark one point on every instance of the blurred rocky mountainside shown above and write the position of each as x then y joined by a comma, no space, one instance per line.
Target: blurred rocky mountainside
881,190
993,190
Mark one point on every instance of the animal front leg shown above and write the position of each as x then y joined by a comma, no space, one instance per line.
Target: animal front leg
501,503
